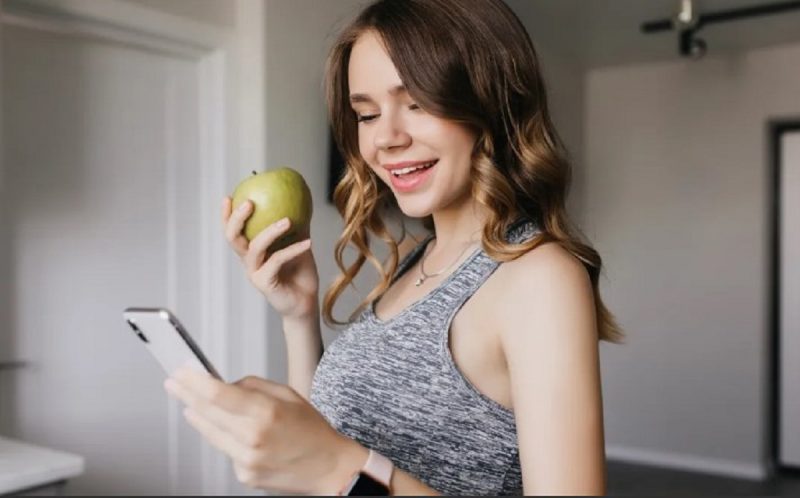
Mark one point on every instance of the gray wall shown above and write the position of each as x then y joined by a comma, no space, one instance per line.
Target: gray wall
676,203
214,12
565,82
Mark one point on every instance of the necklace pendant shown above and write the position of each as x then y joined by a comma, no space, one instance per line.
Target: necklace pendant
419,281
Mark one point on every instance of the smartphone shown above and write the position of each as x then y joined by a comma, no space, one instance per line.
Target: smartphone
167,340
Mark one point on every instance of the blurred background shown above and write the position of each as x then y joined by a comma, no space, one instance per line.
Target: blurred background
125,122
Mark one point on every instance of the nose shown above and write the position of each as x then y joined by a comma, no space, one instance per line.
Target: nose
390,132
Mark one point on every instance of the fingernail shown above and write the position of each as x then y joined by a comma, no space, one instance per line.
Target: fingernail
243,207
283,223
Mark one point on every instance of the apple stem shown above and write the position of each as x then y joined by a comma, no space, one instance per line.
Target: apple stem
254,172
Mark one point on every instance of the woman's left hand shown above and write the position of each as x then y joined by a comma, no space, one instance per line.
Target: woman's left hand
276,439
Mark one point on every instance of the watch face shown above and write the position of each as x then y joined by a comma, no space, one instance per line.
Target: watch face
367,486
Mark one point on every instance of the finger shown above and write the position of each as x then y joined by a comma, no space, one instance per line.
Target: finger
235,225
219,438
276,261
256,251
245,475
230,422
240,426
198,389
226,210
245,429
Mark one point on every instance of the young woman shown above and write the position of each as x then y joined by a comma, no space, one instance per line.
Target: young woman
473,367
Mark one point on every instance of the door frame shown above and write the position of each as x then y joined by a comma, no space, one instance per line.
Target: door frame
230,74
775,130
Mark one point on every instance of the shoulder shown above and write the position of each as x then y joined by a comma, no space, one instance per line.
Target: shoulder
546,285
547,264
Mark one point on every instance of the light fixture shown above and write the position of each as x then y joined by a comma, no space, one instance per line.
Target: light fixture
688,22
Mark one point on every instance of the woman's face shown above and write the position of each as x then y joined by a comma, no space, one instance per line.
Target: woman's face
393,130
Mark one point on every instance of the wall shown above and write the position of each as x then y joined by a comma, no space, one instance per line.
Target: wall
5,273
564,80
57,399
676,202
565,86
82,249
213,12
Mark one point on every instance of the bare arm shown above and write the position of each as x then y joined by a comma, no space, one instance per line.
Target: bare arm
303,351
555,374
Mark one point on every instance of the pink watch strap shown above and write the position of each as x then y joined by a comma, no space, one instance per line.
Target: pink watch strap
379,467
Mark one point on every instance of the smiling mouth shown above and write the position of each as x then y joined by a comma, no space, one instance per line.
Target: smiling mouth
400,173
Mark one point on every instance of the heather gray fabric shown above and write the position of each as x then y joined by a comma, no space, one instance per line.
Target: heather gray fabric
393,387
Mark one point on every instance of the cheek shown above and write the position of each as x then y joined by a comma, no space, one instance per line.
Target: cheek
451,138
365,147
464,143
367,152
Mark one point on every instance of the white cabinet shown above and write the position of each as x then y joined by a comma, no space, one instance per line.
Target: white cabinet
25,466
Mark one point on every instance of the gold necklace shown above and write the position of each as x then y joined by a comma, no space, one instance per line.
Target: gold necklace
425,276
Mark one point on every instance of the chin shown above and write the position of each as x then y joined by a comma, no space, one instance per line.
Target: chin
412,209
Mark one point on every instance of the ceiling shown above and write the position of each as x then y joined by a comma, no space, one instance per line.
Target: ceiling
597,33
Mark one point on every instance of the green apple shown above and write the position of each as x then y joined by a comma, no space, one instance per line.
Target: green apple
276,194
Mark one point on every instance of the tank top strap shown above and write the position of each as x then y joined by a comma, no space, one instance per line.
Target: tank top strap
410,258
480,266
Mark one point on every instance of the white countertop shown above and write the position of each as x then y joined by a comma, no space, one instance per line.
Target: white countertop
23,465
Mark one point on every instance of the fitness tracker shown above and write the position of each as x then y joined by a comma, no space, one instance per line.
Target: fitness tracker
373,479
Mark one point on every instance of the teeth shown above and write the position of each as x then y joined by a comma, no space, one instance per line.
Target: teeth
405,171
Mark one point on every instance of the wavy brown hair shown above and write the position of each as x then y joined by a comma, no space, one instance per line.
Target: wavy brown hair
471,62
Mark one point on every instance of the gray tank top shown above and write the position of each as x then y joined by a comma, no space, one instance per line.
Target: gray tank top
392,385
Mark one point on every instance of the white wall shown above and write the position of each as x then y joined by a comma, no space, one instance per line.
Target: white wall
676,203
67,399
80,254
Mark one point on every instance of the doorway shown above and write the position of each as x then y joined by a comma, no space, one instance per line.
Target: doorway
785,289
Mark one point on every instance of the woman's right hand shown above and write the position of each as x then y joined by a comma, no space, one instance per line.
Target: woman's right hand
288,278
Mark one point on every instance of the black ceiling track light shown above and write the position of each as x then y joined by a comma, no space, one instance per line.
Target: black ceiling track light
688,22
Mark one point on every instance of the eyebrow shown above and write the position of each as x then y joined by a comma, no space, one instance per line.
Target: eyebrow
363,97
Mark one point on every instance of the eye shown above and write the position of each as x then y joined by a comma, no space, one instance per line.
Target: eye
413,107
366,119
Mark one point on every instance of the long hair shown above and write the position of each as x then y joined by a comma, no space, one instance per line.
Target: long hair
471,62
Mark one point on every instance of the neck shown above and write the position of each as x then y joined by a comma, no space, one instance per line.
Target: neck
457,228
